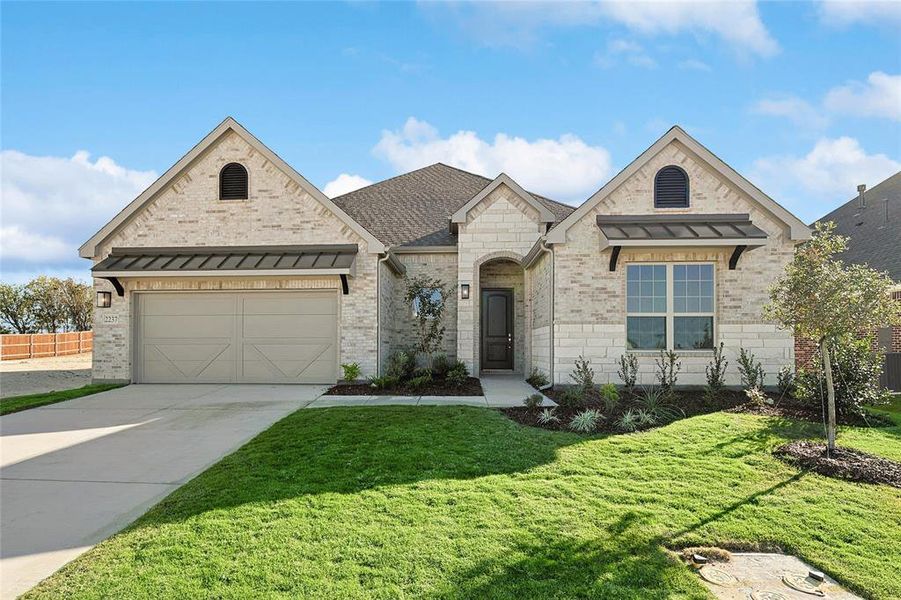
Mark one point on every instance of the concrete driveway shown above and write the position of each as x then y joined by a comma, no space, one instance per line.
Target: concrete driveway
73,473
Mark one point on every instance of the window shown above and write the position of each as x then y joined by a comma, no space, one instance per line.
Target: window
435,298
233,182
669,307
671,188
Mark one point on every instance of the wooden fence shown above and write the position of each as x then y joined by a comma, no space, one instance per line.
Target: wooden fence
891,374
40,345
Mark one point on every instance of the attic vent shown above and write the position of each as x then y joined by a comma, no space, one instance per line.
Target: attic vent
233,182
671,188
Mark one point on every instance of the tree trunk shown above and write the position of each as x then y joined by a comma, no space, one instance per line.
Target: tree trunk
830,397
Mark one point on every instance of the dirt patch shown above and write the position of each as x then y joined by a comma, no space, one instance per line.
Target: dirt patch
686,403
843,463
40,375
792,409
472,387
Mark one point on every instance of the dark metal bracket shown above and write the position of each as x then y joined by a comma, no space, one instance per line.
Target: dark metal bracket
736,254
614,257
120,291
345,289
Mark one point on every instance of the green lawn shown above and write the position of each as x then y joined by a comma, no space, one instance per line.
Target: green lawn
459,502
17,403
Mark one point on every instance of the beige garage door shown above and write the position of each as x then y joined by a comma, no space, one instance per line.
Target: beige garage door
265,337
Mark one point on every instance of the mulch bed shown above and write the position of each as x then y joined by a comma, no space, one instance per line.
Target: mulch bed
844,463
690,402
438,387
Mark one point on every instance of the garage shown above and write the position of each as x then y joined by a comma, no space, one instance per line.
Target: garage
236,337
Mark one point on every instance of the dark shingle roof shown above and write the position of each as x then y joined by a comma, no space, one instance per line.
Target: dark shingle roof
414,209
875,230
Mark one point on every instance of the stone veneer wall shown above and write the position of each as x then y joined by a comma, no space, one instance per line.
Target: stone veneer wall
442,266
189,213
538,290
501,226
508,274
389,283
590,300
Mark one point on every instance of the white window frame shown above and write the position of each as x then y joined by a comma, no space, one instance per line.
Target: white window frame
670,314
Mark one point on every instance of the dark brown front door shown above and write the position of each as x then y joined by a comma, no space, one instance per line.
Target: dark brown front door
497,329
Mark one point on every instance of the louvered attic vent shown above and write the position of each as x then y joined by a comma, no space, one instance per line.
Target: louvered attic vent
233,182
671,188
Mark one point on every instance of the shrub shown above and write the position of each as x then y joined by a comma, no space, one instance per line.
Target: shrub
537,379
420,380
572,397
383,382
533,401
547,416
401,365
668,367
716,374
586,421
440,365
645,418
610,397
583,374
458,374
628,370
351,371
427,297
629,421
750,369
785,381
655,401
757,397
856,368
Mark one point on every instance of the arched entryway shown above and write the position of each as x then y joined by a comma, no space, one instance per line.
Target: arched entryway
501,315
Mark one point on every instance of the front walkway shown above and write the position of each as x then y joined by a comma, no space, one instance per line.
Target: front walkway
500,391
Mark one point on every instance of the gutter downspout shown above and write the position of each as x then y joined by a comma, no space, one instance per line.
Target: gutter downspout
378,311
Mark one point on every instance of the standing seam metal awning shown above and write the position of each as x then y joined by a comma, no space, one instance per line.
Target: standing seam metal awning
210,261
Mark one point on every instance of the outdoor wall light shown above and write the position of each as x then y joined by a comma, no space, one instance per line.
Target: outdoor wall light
464,291
104,299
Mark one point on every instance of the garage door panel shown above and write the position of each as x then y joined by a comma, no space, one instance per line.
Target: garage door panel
189,327
285,337
288,326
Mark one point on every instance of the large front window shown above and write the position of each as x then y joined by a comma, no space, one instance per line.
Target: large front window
669,306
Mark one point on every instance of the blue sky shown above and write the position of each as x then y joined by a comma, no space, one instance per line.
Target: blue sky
97,99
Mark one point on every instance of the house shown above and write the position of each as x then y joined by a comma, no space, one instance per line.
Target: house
234,268
871,221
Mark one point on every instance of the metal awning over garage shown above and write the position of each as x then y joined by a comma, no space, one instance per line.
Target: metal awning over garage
680,230
228,261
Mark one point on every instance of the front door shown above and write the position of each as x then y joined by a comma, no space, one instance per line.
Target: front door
497,329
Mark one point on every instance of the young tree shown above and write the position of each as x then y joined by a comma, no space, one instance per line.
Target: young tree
78,303
17,308
427,298
49,308
822,299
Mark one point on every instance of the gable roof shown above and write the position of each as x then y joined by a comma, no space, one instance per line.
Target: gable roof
88,249
799,231
414,209
544,214
875,230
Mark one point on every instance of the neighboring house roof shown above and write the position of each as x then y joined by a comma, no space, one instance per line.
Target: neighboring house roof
799,231
88,249
415,209
875,230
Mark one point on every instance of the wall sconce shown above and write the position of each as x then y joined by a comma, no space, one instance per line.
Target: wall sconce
104,299
464,291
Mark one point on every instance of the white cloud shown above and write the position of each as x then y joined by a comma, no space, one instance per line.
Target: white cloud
799,111
880,96
51,205
846,12
693,64
344,183
519,23
814,184
629,51
565,169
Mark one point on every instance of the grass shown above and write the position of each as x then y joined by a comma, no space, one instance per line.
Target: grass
460,502
17,403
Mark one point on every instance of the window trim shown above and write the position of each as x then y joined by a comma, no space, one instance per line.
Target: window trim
670,314
219,182
687,189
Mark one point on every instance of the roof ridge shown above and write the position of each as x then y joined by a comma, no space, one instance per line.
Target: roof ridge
886,181
392,178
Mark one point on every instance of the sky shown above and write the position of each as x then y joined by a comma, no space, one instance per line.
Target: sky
97,100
